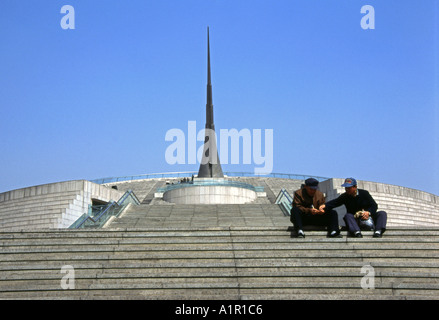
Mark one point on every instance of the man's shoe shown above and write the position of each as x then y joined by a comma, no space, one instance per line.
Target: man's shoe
358,234
377,234
334,234
300,234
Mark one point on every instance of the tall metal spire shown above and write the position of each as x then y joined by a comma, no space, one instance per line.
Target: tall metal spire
209,104
210,166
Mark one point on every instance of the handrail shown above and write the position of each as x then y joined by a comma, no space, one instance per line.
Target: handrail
126,195
87,217
190,173
285,200
284,192
100,214
118,205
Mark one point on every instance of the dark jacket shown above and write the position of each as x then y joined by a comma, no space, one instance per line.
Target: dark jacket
362,201
304,201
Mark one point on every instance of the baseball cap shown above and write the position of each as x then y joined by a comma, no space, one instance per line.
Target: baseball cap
312,183
349,182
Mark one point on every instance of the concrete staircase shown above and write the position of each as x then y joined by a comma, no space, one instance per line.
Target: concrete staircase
222,262
201,215
28,212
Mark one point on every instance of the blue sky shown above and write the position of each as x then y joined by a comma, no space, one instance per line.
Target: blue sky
97,101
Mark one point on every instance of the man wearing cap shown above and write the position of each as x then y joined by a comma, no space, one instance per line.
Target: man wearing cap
356,200
308,209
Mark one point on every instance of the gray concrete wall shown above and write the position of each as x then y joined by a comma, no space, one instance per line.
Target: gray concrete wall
404,206
210,195
55,205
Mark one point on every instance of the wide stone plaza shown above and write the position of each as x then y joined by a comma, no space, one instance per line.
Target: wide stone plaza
154,249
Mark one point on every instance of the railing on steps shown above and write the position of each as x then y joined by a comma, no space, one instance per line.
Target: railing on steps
285,201
211,182
113,208
192,173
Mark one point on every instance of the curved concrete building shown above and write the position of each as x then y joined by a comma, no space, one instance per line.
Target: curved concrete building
59,205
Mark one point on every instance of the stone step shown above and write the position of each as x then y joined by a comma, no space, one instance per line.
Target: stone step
261,249
262,282
100,266
220,249
216,247
150,196
217,263
228,287
218,236
260,229
257,273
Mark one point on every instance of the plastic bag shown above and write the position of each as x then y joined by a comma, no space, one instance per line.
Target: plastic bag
364,224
